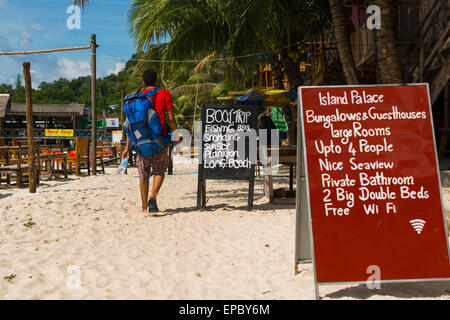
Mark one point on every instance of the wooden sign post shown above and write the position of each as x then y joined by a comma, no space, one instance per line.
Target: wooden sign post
374,196
94,104
30,128
228,148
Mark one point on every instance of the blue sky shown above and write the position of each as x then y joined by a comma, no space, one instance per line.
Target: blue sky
42,24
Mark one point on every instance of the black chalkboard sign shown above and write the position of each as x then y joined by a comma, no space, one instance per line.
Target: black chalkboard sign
228,148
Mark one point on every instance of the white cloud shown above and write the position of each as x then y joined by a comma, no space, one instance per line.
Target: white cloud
71,69
36,26
26,39
119,67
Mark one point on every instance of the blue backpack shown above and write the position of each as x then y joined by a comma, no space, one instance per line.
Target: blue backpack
142,124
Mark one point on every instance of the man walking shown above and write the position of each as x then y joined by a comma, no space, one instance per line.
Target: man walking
157,164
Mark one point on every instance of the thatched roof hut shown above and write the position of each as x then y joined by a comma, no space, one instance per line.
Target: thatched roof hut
5,101
73,109
46,116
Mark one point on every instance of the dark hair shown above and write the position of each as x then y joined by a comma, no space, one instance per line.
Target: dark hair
149,76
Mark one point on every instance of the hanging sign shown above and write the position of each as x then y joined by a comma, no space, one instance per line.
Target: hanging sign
112,122
59,132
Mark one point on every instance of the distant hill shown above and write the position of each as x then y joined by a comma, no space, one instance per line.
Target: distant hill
77,90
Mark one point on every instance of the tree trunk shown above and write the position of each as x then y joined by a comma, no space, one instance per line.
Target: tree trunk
342,33
277,71
388,64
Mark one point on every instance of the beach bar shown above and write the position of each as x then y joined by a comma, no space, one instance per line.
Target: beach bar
46,116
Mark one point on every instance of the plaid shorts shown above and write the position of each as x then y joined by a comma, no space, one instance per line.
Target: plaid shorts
156,165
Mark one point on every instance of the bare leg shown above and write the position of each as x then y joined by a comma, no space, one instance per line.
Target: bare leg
144,184
157,183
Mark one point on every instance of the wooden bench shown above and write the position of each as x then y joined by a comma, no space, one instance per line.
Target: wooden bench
108,153
18,165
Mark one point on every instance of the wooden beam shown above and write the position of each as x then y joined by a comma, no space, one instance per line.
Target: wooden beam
231,93
44,51
30,129
224,98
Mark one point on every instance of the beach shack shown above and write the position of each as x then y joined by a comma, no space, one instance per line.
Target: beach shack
46,116
5,101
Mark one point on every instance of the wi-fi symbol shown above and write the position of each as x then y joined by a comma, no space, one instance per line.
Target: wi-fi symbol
417,224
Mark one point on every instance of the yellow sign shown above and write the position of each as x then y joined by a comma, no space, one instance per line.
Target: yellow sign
116,136
59,132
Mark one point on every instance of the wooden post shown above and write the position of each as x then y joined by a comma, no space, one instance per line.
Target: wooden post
30,131
201,184
170,168
446,105
94,105
122,119
122,96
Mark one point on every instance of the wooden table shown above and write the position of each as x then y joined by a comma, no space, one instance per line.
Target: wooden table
287,155
51,156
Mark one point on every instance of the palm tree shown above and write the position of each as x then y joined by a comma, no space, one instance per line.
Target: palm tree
82,3
194,30
388,63
343,41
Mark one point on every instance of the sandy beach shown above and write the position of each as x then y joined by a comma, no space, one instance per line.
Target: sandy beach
93,226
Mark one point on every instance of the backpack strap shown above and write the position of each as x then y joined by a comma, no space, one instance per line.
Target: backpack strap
151,94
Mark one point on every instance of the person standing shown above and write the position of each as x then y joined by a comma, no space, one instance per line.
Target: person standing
156,165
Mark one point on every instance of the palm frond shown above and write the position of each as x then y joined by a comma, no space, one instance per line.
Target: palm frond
192,88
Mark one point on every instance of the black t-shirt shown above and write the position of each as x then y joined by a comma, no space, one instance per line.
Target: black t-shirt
266,122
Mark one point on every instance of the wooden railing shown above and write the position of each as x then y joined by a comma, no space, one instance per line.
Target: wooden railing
426,60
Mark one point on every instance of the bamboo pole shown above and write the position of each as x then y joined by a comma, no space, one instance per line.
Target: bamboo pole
44,51
94,105
30,131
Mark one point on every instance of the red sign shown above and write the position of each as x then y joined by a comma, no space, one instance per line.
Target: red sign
373,184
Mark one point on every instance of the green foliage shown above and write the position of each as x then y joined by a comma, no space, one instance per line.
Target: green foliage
206,33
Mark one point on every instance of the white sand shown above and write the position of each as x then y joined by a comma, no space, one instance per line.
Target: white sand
96,225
